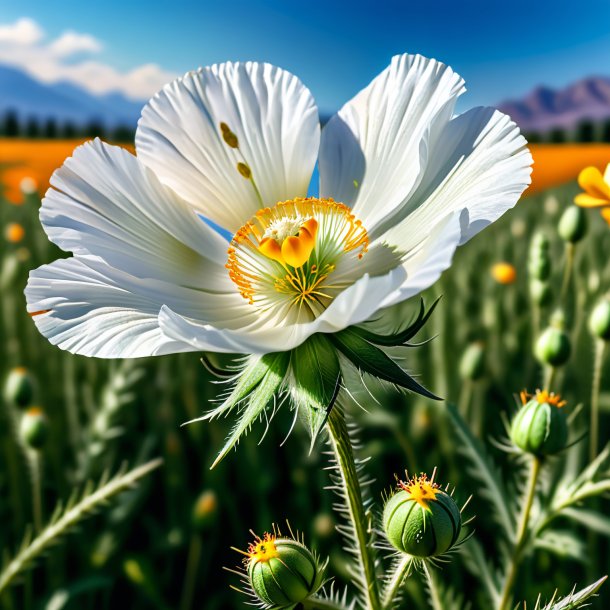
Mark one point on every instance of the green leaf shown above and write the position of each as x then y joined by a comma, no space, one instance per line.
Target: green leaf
316,381
575,600
258,399
246,381
564,544
370,359
400,337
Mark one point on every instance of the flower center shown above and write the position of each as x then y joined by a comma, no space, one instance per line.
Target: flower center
263,549
284,256
421,489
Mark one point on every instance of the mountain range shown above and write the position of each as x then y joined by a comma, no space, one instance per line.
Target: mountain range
540,111
544,108
63,101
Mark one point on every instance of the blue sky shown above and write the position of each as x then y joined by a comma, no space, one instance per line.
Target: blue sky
501,49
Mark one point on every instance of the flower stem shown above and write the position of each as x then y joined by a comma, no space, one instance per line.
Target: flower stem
403,569
549,377
435,599
344,454
567,270
521,534
600,345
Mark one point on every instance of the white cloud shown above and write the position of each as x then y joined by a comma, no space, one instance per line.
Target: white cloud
24,44
24,31
70,43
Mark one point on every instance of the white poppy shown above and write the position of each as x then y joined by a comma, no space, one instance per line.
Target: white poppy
403,182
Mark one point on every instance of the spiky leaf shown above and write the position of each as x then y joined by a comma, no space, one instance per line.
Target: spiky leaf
576,600
370,359
256,401
316,381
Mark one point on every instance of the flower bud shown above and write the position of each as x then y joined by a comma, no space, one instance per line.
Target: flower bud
540,292
599,321
539,262
34,428
553,347
282,571
572,224
19,387
205,510
540,426
421,519
472,364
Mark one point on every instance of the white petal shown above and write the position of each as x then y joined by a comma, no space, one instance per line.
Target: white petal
106,204
374,150
479,162
430,258
354,305
92,309
276,122
87,312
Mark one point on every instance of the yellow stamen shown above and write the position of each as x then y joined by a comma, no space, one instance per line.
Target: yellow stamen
421,489
262,549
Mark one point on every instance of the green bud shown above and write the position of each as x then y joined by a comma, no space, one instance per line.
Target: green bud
540,292
539,262
472,364
599,321
34,428
572,224
205,510
540,426
421,519
19,387
282,571
553,347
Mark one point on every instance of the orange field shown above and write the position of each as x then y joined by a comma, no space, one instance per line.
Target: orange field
554,164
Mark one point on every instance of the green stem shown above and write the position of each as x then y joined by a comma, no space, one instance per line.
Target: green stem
567,270
465,400
344,454
600,346
192,565
394,583
35,460
549,377
435,599
521,534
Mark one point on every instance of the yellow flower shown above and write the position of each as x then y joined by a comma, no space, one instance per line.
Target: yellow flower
597,190
504,273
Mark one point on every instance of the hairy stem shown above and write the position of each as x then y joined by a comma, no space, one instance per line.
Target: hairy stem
318,603
394,583
435,600
344,454
513,567
600,345
30,552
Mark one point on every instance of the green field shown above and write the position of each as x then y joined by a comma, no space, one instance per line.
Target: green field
161,545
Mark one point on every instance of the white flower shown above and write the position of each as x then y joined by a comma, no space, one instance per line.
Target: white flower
403,182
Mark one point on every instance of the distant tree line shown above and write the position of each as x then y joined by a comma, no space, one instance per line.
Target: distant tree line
585,131
14,126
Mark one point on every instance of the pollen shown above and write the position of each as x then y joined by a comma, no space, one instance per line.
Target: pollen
262,549
287,253
543,396
421,489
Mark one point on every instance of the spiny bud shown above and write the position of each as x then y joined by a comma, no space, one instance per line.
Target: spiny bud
421,519
540,426
34,428
599,321
19,387
205,510
553,347
572,224
539,262
282,571
472,364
